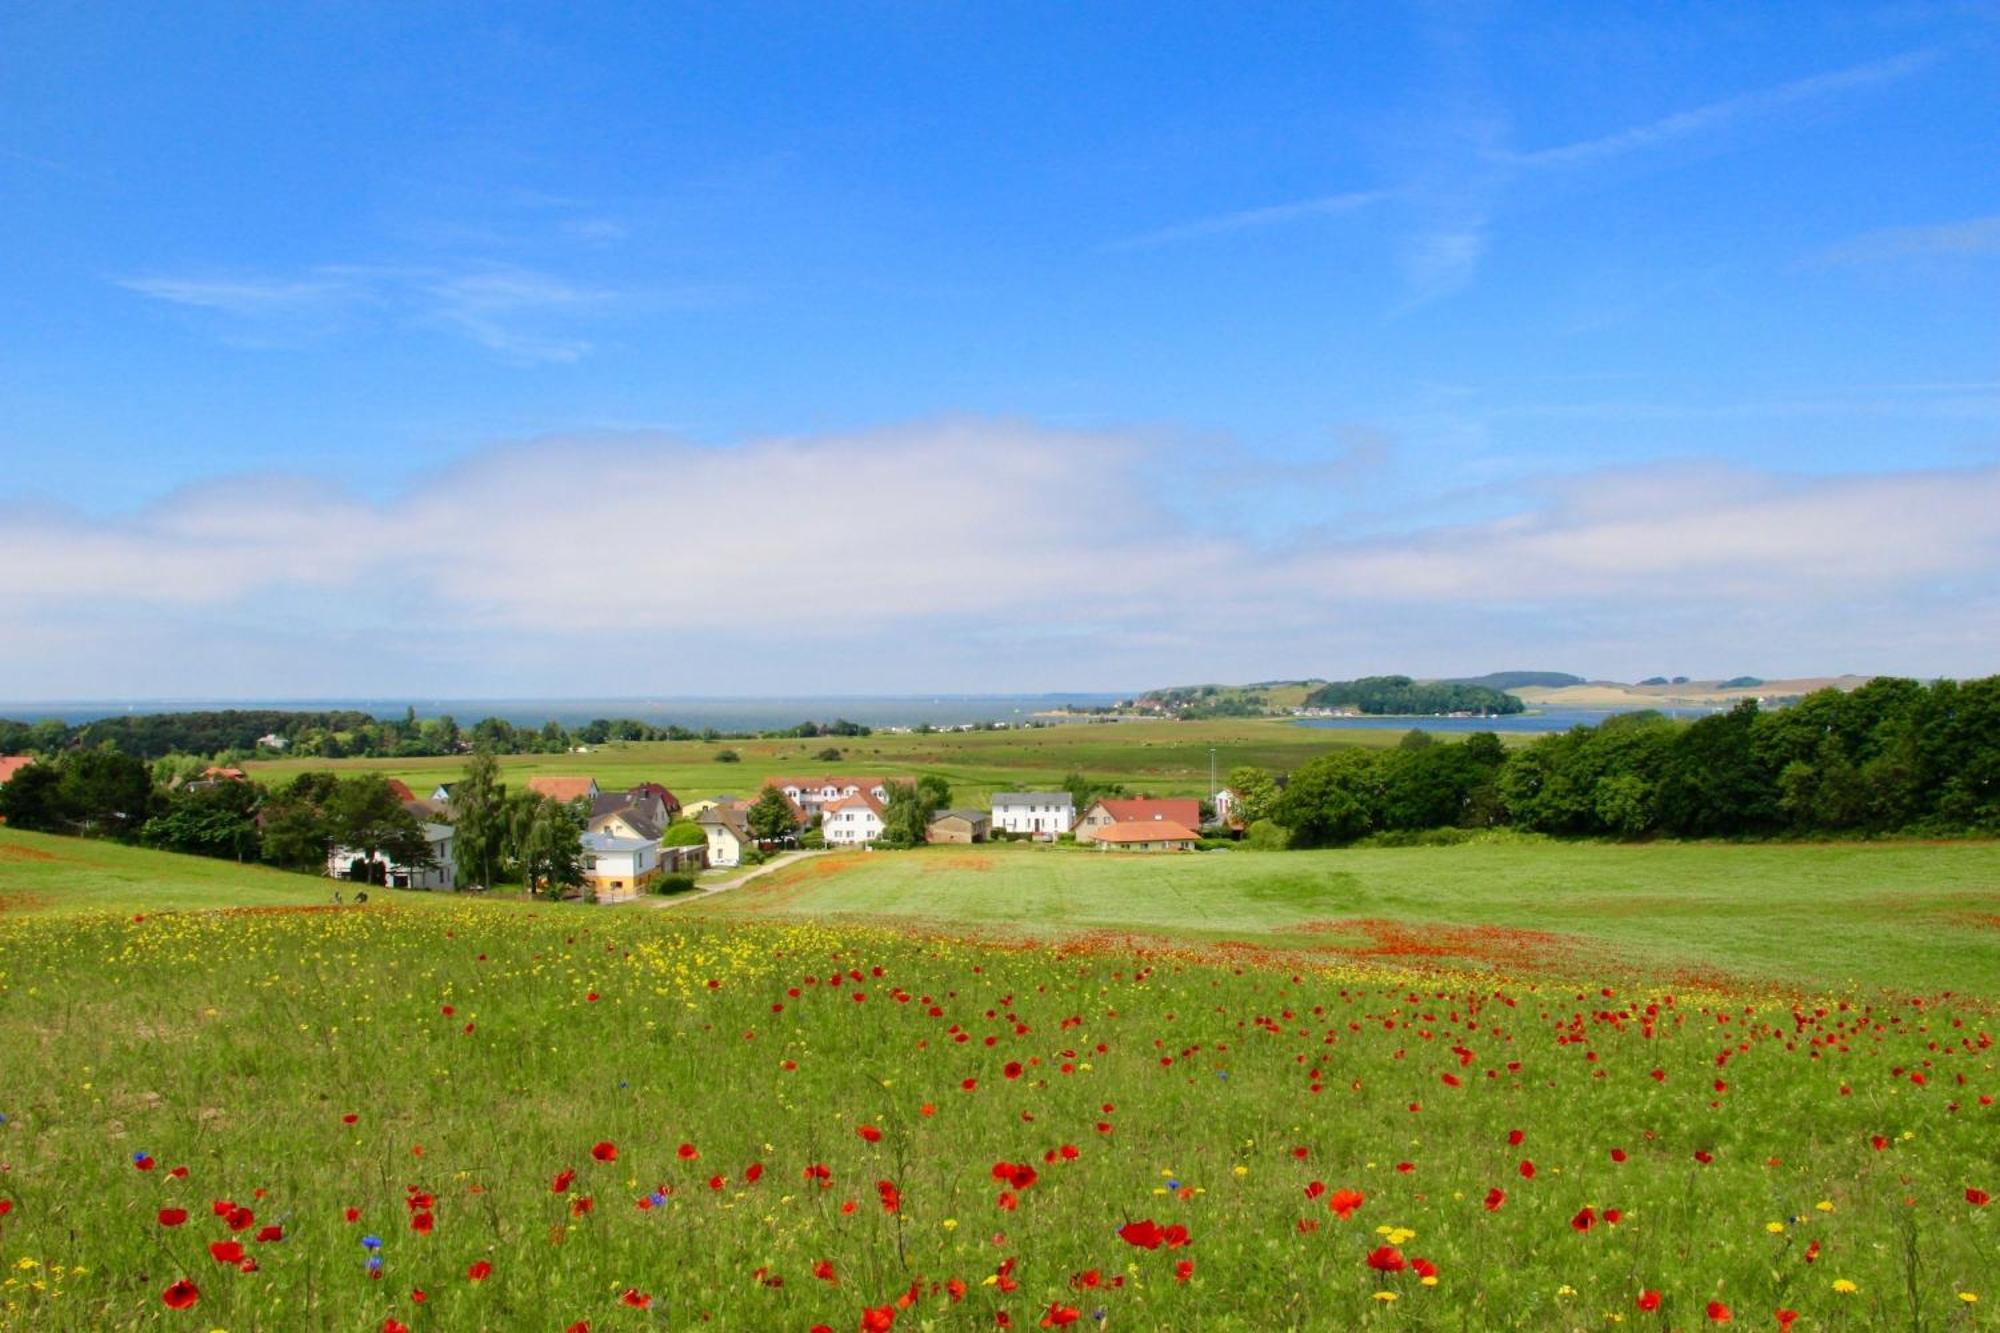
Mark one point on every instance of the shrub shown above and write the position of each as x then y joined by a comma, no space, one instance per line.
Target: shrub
684,833
677,883
728,757
1266,836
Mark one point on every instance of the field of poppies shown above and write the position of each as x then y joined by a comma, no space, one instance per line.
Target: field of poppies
492,1116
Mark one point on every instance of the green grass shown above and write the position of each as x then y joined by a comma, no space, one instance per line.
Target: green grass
43,873
1904,914
1163,758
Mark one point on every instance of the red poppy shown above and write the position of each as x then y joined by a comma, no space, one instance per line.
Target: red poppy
1514,1138
1978,1198
423,1224
1718,1313
266,1235
1649,1301
1613,1216
1494,1198
1060,1315
1423,1267
878,1319
173,1217
353,1214
180,1295
1387,1259
349,1118
823,1270
1013,1069
239,1218
562,1182
605,1152
479,1272
394,1325
1704,1156
1617,1154
1315,1189
869,1133
753,1173
226,1251
686,1152
1584,1220
1183,1270
1527,1170
1786,1318
637,1299
1145,1234
1343,1203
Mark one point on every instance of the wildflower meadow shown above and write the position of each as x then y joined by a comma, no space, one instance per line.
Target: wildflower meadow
494,1116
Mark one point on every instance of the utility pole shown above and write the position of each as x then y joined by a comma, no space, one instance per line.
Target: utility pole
1211,777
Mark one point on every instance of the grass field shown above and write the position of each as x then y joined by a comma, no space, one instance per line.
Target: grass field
1907,915
1499,1086
1163,758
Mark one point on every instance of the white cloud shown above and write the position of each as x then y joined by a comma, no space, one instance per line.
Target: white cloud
1945,240
964,555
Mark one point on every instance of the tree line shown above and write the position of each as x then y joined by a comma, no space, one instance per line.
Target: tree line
1894,756
233,734
1389,695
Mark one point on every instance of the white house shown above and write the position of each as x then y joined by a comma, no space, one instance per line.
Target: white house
851,821
1042,813
618,868
728,836
351,863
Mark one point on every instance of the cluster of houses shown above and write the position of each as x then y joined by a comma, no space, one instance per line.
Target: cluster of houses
624,839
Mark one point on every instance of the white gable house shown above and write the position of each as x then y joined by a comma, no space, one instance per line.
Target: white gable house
851,821
1040,813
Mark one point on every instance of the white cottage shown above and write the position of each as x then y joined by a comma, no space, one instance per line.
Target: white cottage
353,864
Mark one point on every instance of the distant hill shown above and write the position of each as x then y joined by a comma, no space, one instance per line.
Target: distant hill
1389,696
1515,680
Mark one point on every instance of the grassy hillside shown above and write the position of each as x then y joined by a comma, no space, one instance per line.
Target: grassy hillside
43,873
1164,758
1918,916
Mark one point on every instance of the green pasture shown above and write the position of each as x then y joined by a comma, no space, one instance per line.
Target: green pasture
1160,758
1916,916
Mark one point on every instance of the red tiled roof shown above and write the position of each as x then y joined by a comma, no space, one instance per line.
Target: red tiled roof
1185,810
562,789
667,798
229,774
865,784
1150,830
10,764
401,789
846,802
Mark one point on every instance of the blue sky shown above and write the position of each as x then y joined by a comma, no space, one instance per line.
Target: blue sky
367,348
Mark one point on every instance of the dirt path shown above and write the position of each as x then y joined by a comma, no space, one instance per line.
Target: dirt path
778,862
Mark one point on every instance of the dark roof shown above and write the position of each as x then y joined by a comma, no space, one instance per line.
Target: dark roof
1033,798
961,814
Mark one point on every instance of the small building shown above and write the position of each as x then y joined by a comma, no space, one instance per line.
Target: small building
851,821
564,790
1226,807
1152,835
352,864
442,792
616,868
728,835
959,826
696,809
1184,811
668,801
1041,814
10,764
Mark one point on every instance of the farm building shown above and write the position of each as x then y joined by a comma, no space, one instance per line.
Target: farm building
959,826
1184,811
1153,835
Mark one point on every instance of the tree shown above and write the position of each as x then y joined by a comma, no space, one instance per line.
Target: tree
1333,799
479,821
1256,793
106,792
906,817
215,819
728,757
34,800
295,831
547,844
772,816
1086,792
684,833
364,815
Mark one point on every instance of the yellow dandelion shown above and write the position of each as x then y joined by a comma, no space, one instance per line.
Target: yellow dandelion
1775,1228
1969,1297
1385,1296
1844,1287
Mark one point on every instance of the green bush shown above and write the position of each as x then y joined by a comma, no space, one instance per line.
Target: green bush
1266,836
677,883
728,757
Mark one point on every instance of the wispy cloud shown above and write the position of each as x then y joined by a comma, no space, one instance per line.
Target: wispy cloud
1454,186
1714,117
519,313
1332,205
1945,240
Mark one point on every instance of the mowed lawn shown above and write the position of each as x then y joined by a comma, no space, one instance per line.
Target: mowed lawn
1914,916
1160,758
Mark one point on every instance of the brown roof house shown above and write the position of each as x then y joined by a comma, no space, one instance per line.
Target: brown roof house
1184,811
564,790
1152,835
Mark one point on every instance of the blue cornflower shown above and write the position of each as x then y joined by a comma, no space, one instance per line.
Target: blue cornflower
371,1242
657,1199
1173,1184
374,1262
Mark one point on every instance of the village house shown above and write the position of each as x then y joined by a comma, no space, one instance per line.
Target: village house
668,801
629,815
728,835
851,821
959,826
1151,835
696,809
1043,814
812,795
350,863
616,868
10,764
1183,811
